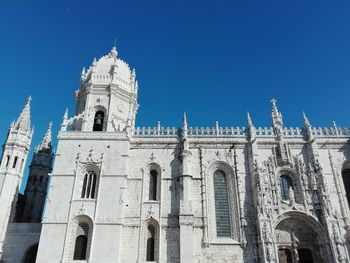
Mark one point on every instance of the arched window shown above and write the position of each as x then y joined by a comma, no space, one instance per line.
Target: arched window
285,183
346,181
98,121
30,256
150,243
81,241
153,185
222,207
89,185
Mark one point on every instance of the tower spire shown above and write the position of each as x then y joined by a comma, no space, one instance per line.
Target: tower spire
23,121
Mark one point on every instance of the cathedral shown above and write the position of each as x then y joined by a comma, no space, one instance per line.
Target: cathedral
115,192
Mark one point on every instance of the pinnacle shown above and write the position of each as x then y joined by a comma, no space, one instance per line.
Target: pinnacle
46,142
23,121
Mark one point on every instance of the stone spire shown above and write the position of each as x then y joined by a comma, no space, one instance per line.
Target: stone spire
277,121
46,142
23,121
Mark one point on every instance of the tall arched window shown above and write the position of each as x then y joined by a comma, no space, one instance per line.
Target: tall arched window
285,183
346,181
81,241
153,185
150,243
98,121
89,185
222,207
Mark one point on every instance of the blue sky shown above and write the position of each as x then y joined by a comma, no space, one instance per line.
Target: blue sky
216,60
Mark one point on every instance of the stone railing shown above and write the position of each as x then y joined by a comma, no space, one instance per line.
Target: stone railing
217,131
156,131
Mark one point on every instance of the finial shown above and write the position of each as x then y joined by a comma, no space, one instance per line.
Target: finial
29,99
94,62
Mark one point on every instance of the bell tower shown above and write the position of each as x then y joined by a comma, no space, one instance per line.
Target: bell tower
14,156
107,96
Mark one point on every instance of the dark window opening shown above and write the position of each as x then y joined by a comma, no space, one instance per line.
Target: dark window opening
98,121
150,244
80,248
305,256
15,162
89,185
346,181
153,185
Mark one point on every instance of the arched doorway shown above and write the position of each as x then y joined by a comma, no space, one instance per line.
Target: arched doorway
30,255
299,241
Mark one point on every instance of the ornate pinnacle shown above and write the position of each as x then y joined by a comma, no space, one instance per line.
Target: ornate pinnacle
276,117
274,105
46,142
23,121
308,128
306,120
250,123
184,126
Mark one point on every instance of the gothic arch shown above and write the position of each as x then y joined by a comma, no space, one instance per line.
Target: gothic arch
299,235
153,181
151,241
80,231
233,206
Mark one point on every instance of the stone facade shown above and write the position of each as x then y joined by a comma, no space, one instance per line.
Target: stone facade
119,193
